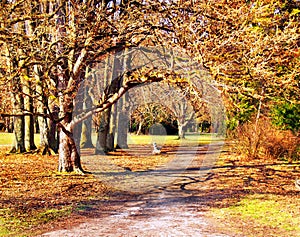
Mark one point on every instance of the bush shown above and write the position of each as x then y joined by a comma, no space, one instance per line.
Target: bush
282,144
260,139
286,116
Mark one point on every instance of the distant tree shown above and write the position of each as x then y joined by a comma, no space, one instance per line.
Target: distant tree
251,48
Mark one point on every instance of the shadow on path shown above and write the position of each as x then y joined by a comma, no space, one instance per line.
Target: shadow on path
161,205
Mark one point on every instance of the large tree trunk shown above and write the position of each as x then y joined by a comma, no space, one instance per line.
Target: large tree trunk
115,85
112,129
28,91
41,106
69,158
104,117
181,129
101,144
19,138
19,144
53,133
44,147
105,139
86,135
123,121
123,118
77,131
29,120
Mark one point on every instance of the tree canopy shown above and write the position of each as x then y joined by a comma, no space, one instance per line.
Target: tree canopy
250,49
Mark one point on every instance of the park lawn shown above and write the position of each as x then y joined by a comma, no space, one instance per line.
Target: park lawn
268,214
247,198
8,138
255,197
191,139
199,139
34,195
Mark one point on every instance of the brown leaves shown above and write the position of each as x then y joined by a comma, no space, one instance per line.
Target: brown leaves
29,187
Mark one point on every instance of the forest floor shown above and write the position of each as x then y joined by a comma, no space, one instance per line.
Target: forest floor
235,197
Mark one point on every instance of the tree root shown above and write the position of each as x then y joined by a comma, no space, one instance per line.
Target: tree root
45,150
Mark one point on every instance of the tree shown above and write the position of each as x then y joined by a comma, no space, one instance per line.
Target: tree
162,102
68,37
86,135
250,47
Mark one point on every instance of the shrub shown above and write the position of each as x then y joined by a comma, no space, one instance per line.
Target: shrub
286,116
282,144
248,138
256,139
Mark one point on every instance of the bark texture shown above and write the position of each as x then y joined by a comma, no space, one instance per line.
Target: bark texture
19,132
86,135
69,158
103,130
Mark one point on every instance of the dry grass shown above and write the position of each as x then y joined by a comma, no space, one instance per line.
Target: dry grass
33,194
35,198
254,198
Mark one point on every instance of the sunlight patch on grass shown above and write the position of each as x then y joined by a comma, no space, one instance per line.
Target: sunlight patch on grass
171,139
264,211
8,138
191,138
3,230
53,214
14,226
9,225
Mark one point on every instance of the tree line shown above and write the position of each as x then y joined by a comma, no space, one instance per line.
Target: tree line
51,49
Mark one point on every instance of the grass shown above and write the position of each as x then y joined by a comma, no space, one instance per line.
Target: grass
172,139
34,195
263,212
52,214
13,224
8,138
134,139
3,230
257,197
247,198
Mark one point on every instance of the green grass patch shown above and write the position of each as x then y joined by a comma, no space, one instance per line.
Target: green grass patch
8,138
49,215
172,139
191,139
3,230
11,225
266,211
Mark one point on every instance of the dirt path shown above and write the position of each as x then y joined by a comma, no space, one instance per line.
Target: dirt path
142,219
156,214
170,209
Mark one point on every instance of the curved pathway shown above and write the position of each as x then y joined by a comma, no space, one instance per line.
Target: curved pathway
168,210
